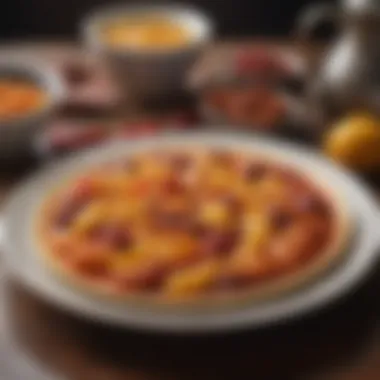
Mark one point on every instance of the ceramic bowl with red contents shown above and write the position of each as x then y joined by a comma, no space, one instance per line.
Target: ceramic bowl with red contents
259,89
279,66
250,107
243,106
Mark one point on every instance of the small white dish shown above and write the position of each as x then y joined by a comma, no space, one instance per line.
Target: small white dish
22,258
17,133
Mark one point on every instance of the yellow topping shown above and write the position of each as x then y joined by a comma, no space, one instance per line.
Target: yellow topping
92,215
168,248
126,260
192,280
256,229
160,234
215,214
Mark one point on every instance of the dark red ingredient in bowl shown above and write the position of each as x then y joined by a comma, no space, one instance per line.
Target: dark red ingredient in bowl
67,213
117,237
174,186
148,277
74,202
261,63
174,220
91,267
255,172
260,107
309,203
280,219
216,243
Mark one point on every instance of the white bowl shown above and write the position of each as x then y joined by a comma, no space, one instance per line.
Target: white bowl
17,133
144,73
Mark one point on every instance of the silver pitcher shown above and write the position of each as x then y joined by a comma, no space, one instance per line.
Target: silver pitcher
349,75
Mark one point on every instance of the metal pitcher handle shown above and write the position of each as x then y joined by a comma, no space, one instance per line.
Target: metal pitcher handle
312,17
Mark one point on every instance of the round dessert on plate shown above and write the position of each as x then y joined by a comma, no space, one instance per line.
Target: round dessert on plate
188,232
180,225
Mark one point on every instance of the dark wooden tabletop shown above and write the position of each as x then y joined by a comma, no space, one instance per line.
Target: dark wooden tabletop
341,342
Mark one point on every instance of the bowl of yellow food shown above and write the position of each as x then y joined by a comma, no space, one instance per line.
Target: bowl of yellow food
29,94
149,48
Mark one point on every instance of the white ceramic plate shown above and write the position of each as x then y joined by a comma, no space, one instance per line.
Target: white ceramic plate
23,260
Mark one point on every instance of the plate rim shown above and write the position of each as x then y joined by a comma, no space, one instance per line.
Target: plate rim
227,321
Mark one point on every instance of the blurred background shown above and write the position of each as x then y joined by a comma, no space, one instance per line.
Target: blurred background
235,18
283,88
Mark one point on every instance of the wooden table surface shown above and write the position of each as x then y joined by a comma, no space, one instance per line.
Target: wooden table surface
340,343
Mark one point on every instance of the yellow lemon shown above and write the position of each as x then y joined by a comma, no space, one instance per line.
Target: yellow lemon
355,142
